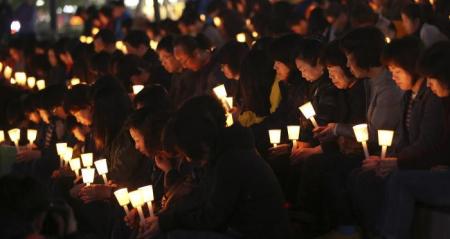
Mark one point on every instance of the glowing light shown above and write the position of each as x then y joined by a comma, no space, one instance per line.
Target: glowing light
94,31
275,136
203,17
31,82
241,37
137,89
7,72
40,84
217,21
153,44
88,175
15,26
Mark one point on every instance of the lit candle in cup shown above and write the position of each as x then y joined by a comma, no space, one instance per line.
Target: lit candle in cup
75,166
362,136
293,134
309,113
88,175
61,149
240,37
102,168
153,44
7,72
68,155
123,198
31,135
147,195
385,140
75,81
137,201
94,31
137,89
87,159
40,84
13,81
217,21
21,78
275,136
14,135
31,82
89,40
1,66
220,91
2,136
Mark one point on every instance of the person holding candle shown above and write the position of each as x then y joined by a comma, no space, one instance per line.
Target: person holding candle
201,135
406,188
321,93
420,129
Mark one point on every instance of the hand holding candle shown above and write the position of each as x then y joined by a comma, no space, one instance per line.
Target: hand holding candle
309,113
362,136
147,195
137,201
102,169
123,198
275,136
293,133
385,140
88,175
31,135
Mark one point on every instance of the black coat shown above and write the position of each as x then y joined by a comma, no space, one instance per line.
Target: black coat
240,192
419,144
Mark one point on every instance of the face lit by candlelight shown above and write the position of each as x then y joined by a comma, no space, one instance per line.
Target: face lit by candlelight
169,62
83,116
338,77
187,61
401,77
229,74
139,141
309,72
282,70
439,89
34,117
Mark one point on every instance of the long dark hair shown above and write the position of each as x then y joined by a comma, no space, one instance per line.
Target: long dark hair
110,108
257,75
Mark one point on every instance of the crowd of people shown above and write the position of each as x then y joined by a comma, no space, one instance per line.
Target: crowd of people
146,97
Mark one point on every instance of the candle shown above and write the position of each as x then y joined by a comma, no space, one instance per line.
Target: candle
75,81
123,198
40,84
68,155
88,175
119,45
240,37
137,89
61,149
14,135
83,39
255,34
31,81
362,136
87,159
153,44
385,140
21,78
388,40
293,134
309,113
89,40
217,21
94,31
230,120
13,81
137,201
75,165
202,17
7,72
31,135
147,195
220,91
2,136
229,101
274,136
102,168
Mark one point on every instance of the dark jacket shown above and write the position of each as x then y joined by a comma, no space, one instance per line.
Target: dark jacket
419,144
182,87
241,193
